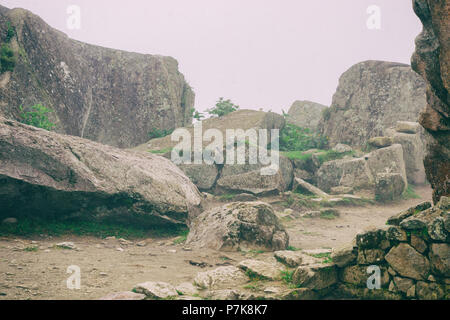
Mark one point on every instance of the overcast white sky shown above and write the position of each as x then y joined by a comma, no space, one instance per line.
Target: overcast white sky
259,53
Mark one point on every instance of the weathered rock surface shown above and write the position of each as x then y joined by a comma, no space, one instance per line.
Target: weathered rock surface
440,259
380,142
389,186
241,119
295,258
432,61
260,269
407,127
110,96
249,178
315,277
236,225
305,114
361,173
413,155
49,175
408,262
372,96
156,290
221,277
343,256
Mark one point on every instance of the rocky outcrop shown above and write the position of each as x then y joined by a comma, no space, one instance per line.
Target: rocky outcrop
231,178
48,175
238,225
110,96
241,119
432,61
305,114
361,173
371,97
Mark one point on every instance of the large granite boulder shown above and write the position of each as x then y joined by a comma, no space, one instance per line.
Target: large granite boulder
305,114
249,178
372,96
432,61
110,96
361,173
241,119
48,175
238,225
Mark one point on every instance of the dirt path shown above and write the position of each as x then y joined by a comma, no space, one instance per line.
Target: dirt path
307,233
112,265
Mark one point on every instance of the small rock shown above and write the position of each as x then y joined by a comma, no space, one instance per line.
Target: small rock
66,245
418,244
407,127
10,221
219,277
156,290
260,269
141,243
124,296
341,190
187,288
315,277
380,142
172,251
342,148
343,256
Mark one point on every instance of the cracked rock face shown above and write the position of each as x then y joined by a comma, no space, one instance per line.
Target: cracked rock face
432,61
110,96
49,175
371,97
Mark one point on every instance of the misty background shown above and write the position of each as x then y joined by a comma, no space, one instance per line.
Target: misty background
258,53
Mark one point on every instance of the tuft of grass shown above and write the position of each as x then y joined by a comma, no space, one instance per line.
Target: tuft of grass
330,155
326,256
162,151
292,248
33,227
182,238
297,155
410,193
31,249
254,276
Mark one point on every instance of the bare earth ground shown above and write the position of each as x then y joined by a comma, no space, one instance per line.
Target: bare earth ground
111,265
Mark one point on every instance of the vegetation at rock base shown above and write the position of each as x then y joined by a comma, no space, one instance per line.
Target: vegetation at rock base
410,193
159,133
222,108
37,116
33,227
295,138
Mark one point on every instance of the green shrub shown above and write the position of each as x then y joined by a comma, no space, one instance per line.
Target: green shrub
295,138
326,114
10,32
7,59
37,116
159,133
222,108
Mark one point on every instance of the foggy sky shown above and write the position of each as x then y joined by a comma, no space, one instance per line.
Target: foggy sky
258,53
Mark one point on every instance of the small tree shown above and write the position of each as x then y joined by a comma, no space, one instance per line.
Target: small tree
222,108
7,59
37,116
